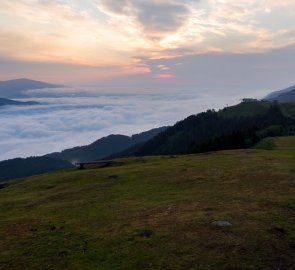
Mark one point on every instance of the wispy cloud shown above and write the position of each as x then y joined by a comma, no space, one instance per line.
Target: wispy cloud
155,19
114,33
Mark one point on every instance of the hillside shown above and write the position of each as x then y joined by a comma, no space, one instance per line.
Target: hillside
6,102
286,97
19,167
22,167
235,127
105,146
276,95
17,88
156,213
246,109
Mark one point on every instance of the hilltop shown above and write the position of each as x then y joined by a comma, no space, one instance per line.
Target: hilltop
156,213
17,88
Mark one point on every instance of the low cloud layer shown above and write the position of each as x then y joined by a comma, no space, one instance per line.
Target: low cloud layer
62,122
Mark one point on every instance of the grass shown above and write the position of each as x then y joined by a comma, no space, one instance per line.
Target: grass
156,213
247,109
266,144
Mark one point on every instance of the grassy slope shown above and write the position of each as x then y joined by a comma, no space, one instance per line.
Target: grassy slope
155,213
245,109
254,108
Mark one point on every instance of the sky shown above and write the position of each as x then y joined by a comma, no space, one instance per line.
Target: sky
218,44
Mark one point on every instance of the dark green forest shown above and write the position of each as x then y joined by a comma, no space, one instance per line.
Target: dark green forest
211,131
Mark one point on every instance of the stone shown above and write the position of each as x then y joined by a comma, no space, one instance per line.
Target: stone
221,223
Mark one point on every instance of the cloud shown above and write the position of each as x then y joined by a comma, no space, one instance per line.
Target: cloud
164,76
115,7
163,67
155,19
238,72
170,28
113,33
228,71
161,18
63,122
66,73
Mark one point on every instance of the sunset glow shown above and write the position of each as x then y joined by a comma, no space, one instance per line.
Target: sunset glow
116,38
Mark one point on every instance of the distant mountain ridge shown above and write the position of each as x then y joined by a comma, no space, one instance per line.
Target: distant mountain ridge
17,88
105,146
5,102
285,95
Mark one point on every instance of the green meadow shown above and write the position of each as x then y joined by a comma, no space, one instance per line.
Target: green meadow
157,213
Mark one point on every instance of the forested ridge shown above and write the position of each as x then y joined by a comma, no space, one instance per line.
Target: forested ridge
210,131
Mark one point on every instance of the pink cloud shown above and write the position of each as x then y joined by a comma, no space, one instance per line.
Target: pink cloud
163,67
137,69
164,76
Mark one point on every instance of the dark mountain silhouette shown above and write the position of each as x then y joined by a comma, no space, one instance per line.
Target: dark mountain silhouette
22,167
105,146
285,95
17,88
4,102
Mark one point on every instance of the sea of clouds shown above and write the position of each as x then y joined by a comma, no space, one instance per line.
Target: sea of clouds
71,117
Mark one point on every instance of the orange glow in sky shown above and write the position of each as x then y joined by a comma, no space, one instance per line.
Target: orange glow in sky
116,38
